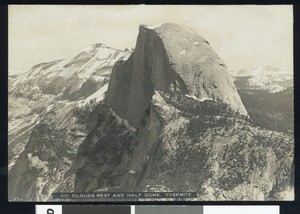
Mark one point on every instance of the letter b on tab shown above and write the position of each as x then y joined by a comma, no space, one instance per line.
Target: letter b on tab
48,209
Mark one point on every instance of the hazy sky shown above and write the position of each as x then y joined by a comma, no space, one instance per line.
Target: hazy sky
244,36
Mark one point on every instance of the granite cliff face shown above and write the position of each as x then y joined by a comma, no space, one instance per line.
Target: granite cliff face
169,58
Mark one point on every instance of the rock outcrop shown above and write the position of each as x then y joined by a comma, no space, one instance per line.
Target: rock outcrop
168,58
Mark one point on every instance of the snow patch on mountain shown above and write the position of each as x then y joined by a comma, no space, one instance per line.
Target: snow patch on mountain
265,70
35,162
198,99
123,122
265,78
266,83
165,109
97,96
152,27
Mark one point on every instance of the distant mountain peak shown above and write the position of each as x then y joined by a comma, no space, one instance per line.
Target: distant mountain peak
98,45
151,26
73,70
264,70
270,68
268,78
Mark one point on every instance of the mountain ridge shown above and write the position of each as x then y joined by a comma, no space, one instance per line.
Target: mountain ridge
265,78
42,92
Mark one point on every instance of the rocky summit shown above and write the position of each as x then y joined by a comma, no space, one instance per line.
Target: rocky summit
169,58
170,121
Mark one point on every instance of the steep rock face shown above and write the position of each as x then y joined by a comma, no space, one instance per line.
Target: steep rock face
114,155
41,167
169,57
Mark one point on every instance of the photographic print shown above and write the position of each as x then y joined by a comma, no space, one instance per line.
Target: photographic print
150,103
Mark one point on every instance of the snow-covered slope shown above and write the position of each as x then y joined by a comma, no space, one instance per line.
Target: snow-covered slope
67,76
265,78
49,92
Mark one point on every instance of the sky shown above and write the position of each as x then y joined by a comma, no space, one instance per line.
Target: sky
244,36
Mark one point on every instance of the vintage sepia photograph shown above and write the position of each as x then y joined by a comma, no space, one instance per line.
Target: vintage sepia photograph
150,103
